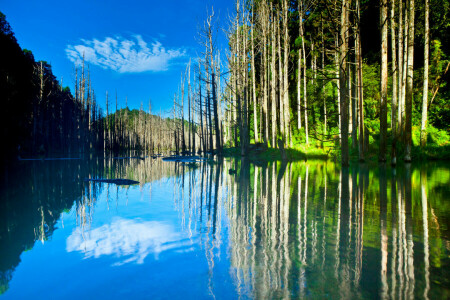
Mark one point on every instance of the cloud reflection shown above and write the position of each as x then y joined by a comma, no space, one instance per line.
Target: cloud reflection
132,240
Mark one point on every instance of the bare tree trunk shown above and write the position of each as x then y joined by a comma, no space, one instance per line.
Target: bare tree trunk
287,110
209,119
322,81
238,77
343,78
305,97
404,73
193,129
253,67
244,111
400,70
234,87
338,86
174,124
384,81
183,141
354,117
210,57
150,136
394,86
201,107
115,126
274,83
219,102
265,72
106,124
299,98
360,85
280,78
423,128
189,107
216,114
409,84
349,93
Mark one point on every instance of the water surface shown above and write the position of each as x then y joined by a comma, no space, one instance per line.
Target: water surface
225,229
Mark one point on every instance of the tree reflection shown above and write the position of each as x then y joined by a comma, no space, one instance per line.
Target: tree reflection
288,230
295,233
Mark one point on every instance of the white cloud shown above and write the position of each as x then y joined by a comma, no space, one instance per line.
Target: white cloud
128,240
132,55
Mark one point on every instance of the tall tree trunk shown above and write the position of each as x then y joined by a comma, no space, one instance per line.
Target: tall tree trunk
194,131
238,80
354,110
394,87
338,85
299,98
245,127
274,82
213,89
253,67
384,81
183,141
349,93
189,107
216,114
399,129
322,88
409,84
423,128
200,109
209,119
116,128
287,109
406,39
342,82
265,72
234,88
280,78
360,84
219,96
106,124
305,97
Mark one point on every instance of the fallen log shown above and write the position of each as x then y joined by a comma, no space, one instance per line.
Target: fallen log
118,181
179,158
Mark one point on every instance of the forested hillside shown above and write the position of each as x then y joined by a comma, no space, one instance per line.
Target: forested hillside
39,116
138,130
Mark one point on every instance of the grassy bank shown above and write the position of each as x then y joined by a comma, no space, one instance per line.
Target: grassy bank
437,148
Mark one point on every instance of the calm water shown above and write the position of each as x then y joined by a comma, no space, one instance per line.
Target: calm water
304,229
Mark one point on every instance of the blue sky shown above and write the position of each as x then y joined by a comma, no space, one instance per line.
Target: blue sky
137,48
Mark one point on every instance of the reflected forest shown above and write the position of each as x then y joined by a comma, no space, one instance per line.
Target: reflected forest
302,151
306,229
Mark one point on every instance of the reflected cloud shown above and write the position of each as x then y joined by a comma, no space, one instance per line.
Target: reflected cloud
132,240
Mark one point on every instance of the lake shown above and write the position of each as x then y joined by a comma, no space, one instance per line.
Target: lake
224,229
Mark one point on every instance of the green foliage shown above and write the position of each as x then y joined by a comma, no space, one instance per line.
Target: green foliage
4,287
438,144
371,81
438,137
439,109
